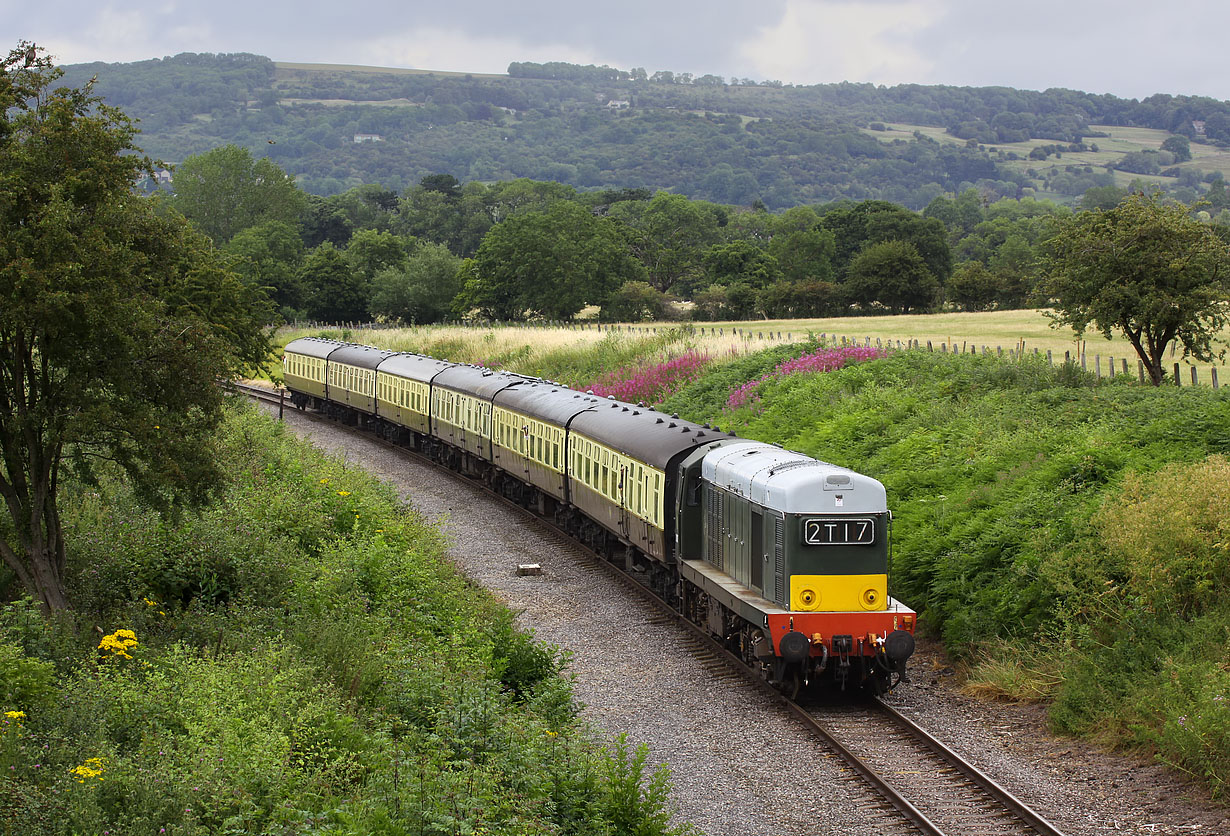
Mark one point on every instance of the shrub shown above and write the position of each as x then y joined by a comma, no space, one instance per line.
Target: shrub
1171,530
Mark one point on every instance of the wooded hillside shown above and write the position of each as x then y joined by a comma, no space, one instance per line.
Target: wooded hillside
727,140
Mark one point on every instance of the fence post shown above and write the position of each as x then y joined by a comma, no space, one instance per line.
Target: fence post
1213,372
1112,368
1178,381
1050,361
1193,376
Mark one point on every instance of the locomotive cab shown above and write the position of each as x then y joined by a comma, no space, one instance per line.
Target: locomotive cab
811,540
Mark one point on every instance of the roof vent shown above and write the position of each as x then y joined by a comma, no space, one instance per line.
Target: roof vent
675,415
610,397
700,433
625,409
659,421
672,425
589,391
636,412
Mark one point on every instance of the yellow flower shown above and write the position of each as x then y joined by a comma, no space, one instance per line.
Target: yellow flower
343,493
15,715
149,602
119,643
92,768
324,481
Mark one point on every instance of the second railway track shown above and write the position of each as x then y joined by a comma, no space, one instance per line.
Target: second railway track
920,785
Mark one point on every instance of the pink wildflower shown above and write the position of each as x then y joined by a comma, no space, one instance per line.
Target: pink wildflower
824,360
652,384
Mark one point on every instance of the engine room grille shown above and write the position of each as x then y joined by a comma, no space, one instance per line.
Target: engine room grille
715,536
779,561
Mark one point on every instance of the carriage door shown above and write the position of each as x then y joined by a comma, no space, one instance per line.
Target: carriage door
625,527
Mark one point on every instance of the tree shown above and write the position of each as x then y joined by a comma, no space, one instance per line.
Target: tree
1145,268
370,251
857,225
1180,146
891,274
550,263
635,302
226,190
116,320
420,290
669,235
973,287
335,291
270,256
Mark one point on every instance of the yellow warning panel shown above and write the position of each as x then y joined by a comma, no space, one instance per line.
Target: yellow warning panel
838,593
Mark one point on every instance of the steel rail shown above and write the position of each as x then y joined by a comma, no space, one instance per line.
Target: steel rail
976,776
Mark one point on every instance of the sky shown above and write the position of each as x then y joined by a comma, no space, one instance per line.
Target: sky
1128,48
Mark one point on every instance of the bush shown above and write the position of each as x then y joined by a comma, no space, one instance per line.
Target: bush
1171,531
300,656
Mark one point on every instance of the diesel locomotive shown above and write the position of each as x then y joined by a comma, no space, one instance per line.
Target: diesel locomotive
782,557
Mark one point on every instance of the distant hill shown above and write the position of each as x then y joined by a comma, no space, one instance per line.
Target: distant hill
725,140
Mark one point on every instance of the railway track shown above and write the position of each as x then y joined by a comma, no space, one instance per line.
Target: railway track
919,784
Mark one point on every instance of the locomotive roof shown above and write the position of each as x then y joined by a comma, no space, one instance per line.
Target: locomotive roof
551,402
313,347
362,356
641,432
792,482
475,380
414,366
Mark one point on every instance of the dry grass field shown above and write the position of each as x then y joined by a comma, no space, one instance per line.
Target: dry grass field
521,348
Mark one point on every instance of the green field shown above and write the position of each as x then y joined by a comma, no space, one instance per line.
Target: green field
1121,140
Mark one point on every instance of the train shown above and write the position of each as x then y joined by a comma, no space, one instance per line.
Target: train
781,557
